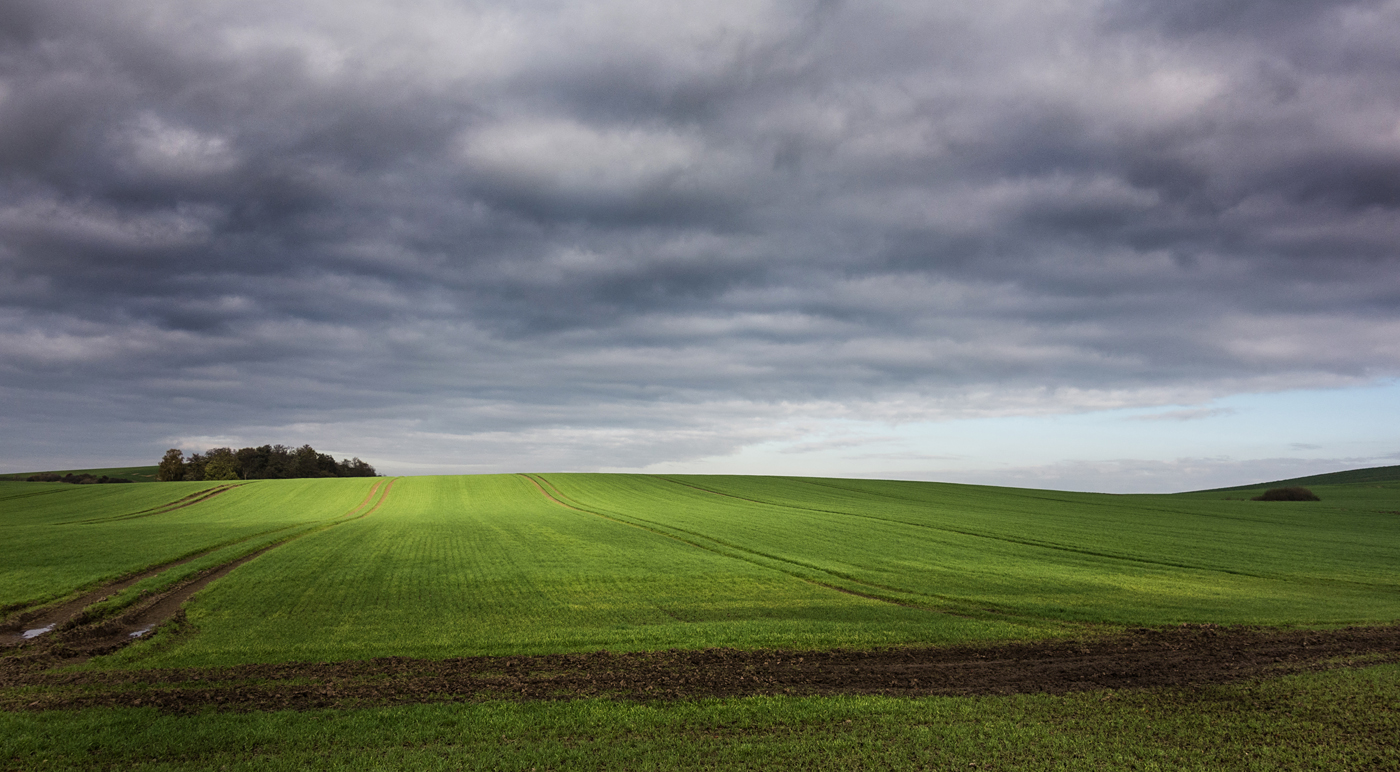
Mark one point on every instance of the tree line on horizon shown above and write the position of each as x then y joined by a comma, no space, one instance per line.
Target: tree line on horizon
266,462
75,479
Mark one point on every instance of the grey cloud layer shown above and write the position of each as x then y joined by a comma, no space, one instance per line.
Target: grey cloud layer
640,218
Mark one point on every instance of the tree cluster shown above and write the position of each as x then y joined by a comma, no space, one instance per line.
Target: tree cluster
76,479
268,462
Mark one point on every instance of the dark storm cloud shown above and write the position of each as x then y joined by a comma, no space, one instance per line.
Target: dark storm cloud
644,222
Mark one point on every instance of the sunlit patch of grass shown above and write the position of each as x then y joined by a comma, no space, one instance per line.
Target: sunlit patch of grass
485,565
505,564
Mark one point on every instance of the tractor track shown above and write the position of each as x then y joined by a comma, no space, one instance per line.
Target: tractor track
63,636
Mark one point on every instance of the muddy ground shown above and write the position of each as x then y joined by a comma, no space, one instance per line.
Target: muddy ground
1145,658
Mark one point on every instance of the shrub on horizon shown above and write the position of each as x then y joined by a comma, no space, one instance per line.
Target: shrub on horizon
1287,494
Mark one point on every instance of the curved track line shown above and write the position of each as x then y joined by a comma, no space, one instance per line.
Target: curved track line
13,630
976,535
111,634
373,490
767,556
188,501
31,494
825,585
382,498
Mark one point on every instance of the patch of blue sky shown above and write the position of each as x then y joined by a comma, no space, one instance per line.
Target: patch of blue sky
1233,440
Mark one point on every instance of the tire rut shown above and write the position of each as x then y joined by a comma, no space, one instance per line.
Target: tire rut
78,643
735,552
188,501
15,630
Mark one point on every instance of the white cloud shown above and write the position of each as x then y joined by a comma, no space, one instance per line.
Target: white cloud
163,149
1187,414
574,159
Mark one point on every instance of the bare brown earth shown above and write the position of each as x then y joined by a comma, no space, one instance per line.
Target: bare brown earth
1177,657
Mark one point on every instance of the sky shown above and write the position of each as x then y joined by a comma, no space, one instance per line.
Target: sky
1133,245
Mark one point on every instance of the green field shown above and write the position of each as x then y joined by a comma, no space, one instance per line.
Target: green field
503,564
1375,474
60,538
135,474
517,564
1339,720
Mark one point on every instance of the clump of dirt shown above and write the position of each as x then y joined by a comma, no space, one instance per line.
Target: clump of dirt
1143,658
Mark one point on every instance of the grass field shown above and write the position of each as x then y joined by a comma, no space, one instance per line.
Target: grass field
504,564
1036,554
1375,474
488,565
60,538
518,564
1339,720
133,473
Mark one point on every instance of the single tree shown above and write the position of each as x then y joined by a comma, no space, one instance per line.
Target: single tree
172,467
220,464
304,462
194,467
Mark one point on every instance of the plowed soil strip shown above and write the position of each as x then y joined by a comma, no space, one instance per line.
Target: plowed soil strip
1148,658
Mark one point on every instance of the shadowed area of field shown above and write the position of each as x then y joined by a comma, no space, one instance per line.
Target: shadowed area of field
1139,659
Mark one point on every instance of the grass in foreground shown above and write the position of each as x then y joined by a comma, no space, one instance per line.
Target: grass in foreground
1335,720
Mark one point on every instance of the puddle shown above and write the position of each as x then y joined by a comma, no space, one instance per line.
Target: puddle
139,633
38,631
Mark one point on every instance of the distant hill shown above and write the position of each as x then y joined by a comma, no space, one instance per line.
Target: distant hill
1369,475
132,473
